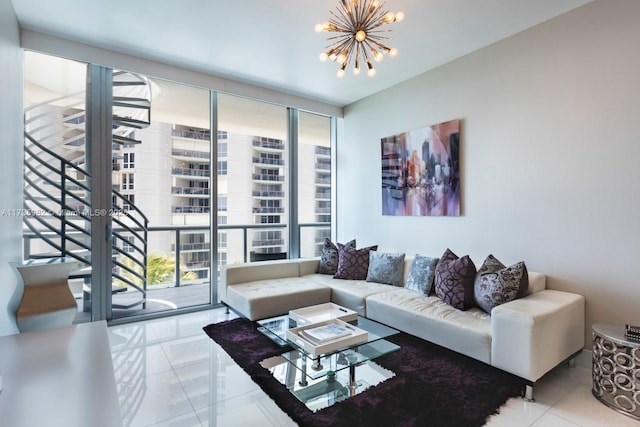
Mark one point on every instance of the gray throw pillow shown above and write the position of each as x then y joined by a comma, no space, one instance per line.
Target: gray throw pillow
496,284
421,274
385,268
329,256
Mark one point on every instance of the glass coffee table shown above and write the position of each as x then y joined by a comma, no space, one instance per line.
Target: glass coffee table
322,380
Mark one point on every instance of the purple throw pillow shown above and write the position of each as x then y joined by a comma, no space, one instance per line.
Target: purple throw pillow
329,257
353,264
454,280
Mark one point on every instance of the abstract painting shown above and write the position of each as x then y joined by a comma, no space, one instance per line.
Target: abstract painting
421,171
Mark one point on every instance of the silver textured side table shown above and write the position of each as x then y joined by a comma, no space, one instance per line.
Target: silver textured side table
616,369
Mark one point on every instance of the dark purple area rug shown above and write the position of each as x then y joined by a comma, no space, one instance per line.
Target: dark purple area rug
433,386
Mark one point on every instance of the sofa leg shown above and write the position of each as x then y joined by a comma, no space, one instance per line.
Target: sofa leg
572,362
528,393
226,309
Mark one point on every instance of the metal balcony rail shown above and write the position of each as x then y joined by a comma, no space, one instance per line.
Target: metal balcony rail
267,177
190,209
267,161
191,154
274,144
323,151
262,210
199,134
205,173
196,191
263,193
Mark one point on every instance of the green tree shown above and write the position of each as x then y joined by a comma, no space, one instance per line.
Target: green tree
160,269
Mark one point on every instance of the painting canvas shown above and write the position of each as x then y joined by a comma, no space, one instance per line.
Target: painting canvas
421,171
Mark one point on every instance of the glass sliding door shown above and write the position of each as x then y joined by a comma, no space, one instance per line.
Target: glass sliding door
146,180
163,169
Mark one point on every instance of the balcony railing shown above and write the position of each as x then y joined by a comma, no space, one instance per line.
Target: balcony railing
262,193
266,177
268,144
267,210
202,135
192,191
191,153
266,161
190,209
191,172
323,151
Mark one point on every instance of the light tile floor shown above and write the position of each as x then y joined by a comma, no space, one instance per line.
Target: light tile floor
170,373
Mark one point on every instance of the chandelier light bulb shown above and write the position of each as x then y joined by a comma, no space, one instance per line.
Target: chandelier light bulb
361,35
399,16
393,51
324,56
340,73
356,71
318,28
341,58
389,17
332,57
377,56
371,72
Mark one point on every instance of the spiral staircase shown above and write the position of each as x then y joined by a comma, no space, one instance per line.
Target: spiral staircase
58,211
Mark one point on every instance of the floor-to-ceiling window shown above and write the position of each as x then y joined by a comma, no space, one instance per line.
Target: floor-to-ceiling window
314,182
254,218
166,168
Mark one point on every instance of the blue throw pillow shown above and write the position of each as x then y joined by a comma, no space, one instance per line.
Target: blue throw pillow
385,268
421,274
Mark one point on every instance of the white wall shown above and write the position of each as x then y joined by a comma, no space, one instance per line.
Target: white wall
550,157
10,163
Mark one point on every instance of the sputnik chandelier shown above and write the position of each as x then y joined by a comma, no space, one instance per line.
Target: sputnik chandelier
359,37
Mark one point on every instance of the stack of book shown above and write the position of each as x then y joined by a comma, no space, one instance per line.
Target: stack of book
632,333
325,333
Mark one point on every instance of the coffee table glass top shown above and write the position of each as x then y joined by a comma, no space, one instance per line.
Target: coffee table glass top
316,367
276,329
321,381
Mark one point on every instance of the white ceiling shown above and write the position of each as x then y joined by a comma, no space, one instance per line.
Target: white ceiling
272,43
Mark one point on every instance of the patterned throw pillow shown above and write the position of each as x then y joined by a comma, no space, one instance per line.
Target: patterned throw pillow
496,284
421,274
385,268
353,263
454,280
329,256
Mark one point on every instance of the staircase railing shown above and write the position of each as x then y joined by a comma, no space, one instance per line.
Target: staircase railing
57,194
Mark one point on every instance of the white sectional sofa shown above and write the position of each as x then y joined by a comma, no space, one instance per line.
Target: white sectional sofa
527,337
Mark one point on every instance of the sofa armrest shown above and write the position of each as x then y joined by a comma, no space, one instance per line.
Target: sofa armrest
233,274
532,335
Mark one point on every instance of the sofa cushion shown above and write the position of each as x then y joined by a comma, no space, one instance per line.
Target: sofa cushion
385,268
261,299
353,264
454,280
351,294
421,274
496,284
430,318
329,256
